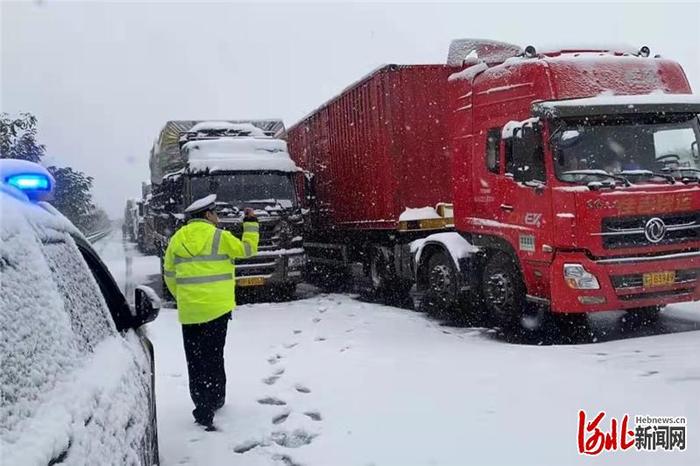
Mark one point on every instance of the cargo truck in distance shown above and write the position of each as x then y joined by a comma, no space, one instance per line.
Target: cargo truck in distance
245,164
574,177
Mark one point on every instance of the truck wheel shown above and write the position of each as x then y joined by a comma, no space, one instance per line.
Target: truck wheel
504,295
378,272
441,294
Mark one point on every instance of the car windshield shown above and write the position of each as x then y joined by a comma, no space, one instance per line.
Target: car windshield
633,148
242,189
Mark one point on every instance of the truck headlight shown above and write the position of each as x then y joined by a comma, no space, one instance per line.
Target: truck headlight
579,279
295,262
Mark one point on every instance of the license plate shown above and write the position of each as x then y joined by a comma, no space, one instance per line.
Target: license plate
251,281
653,279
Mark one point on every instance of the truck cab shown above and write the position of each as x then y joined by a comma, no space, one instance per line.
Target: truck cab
244,167
577,173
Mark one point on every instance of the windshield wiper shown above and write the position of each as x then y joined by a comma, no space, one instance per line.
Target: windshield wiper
601,173
649,174
684,178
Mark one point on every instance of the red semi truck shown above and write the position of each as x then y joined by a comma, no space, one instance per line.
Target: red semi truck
574,174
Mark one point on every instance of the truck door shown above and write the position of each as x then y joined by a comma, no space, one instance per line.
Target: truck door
528,206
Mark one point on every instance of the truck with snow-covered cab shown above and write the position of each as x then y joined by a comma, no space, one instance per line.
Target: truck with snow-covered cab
574,173
246,164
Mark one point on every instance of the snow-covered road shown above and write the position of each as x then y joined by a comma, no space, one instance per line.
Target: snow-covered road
331,380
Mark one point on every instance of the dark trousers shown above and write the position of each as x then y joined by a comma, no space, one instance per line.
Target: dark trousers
204,351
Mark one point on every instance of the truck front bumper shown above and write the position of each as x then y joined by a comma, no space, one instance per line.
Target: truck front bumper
283,267
625,283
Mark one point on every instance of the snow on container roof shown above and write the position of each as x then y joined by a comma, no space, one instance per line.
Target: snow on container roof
620,104
238,154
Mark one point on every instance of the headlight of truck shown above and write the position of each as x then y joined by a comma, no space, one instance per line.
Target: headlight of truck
579,279
295,262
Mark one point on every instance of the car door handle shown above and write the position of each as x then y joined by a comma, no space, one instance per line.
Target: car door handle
507,207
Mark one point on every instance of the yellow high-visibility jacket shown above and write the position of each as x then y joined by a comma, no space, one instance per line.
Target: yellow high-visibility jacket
199,269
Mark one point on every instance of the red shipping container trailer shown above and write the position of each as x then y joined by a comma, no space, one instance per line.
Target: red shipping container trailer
377,149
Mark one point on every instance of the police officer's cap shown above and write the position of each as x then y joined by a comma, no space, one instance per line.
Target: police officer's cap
204,204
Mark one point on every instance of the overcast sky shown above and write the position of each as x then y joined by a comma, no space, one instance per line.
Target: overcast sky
103,77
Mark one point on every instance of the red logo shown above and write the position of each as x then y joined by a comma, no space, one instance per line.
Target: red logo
592,440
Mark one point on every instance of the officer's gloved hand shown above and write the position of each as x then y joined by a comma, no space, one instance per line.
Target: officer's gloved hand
249,215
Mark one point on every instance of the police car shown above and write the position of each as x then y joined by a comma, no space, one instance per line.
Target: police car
77,375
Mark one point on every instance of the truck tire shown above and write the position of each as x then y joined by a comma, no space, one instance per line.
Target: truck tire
503,291
385,284
440,297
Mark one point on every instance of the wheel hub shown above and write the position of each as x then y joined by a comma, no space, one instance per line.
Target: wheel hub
499,291
440,278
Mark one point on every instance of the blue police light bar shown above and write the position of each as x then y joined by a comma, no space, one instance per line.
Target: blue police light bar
30,182
30,179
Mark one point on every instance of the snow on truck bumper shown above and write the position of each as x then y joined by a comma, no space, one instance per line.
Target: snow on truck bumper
278,267
623,283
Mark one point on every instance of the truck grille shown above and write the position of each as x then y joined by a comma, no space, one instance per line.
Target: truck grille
656,294
629,232
254,266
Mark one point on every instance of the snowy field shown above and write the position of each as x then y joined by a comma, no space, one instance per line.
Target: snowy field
330,380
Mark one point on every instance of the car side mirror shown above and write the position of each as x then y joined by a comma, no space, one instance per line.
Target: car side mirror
146,305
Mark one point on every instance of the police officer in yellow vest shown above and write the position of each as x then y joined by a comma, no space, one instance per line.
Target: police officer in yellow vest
199,271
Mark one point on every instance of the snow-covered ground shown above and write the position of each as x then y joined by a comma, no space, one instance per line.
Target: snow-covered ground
330,380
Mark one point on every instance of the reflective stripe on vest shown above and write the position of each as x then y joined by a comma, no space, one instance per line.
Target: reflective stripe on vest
210,257
251,228
247,249
168,273
204,279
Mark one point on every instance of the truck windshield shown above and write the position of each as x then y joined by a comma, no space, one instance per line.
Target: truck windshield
241,189
639,149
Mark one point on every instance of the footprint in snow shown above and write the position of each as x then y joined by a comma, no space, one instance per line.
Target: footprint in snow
279,371
321,310
313,415
271,380
295,439
320,339
316,320
280,418
344,349
246,446
290,345
297,332
649,373
272,401
285,460
302,389
274,359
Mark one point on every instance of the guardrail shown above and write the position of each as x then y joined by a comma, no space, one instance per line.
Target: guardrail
93,237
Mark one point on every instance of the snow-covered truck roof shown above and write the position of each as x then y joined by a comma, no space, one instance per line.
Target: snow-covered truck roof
238,154
166,156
